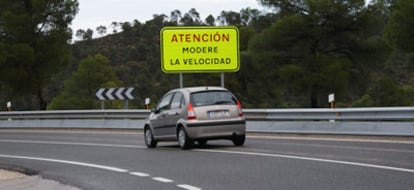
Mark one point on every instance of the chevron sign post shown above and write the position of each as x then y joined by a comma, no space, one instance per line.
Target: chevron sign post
123,93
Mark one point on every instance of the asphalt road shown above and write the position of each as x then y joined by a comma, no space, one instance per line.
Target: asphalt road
120,161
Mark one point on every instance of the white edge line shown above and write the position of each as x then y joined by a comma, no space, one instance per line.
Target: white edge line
68,162
201,150
311,159
390,141
114,169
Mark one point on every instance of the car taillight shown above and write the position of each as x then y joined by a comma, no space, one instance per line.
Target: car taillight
239,109
191,113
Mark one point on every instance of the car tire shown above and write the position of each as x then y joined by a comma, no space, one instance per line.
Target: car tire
184,141
149,138
238,140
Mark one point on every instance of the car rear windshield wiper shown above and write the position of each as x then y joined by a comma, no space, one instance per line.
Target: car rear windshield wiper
223,102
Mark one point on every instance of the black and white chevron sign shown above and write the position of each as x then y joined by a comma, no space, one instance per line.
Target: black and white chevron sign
114,93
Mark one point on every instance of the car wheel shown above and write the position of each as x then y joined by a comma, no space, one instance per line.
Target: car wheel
183,140
238,140
149,138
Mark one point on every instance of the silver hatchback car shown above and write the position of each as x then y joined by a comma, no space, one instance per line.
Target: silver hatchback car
196,114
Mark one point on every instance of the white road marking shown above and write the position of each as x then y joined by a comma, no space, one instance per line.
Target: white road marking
188,187
139,174
114,169
354,139
165,180
222,151
309,159
161,179
110,168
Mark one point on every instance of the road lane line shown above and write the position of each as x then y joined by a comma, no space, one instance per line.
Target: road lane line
163,180
221,151
188,187
114,169
309,159
139,174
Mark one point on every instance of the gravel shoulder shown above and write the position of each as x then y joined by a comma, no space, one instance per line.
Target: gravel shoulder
11,180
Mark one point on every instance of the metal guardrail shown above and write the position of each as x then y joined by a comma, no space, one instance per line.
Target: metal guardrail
366,121
75,114
341,114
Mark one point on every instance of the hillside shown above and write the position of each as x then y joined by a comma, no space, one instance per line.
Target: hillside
135,58
286,61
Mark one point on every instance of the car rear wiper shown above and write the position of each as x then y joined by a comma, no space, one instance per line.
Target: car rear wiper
223,102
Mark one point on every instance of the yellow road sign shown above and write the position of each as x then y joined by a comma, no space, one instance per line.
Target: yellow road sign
200,49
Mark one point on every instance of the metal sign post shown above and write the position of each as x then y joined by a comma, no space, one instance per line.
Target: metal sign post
181,80
222,79
126,104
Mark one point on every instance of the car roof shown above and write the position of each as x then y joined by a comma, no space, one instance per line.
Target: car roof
200,88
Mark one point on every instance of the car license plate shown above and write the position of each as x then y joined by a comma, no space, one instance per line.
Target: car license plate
218,114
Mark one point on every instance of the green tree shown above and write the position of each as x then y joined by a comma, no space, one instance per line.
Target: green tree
246,33
210,20
318,46
175,16
229,18
101,30
399,30
191,18
387,92
79,90
86,35
33,41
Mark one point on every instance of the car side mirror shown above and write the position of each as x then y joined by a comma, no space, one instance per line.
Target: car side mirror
156,111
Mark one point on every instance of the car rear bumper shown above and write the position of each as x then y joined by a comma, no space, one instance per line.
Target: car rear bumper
216,129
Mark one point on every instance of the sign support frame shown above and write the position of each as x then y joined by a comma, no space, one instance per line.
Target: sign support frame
222,79
181,80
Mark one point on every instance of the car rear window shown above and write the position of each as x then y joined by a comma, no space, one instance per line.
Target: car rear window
206,98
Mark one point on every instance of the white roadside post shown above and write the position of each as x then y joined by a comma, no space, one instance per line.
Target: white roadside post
331,100
9,105
147,103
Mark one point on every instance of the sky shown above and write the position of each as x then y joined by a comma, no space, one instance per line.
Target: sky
94,13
